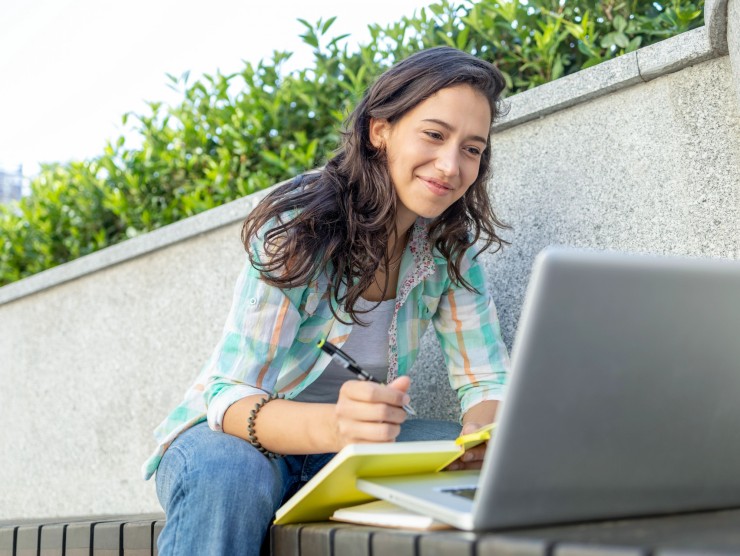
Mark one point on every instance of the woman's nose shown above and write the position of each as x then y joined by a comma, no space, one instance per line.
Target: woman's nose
448,162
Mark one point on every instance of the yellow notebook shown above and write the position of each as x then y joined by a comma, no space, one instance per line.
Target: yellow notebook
334,486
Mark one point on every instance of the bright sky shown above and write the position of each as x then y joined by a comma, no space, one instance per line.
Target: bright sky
69,69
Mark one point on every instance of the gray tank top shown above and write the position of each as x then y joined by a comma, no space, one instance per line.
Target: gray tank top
368,345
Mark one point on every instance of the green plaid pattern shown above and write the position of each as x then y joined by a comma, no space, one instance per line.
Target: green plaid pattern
269,340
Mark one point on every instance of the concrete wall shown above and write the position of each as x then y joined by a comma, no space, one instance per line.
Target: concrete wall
640,154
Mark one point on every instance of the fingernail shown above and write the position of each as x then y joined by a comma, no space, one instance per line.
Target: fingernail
406,400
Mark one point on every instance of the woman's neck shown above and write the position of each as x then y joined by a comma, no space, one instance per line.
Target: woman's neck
404,220
386,277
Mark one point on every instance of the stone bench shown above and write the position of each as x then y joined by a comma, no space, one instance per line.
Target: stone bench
694,534
133,535
703,533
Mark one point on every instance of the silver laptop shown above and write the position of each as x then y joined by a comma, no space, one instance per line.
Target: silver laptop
624,399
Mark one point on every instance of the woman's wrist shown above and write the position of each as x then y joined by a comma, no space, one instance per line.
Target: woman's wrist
252,433
284,426
481,413
329,430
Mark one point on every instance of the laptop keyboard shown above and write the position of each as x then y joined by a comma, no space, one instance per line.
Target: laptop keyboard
467,492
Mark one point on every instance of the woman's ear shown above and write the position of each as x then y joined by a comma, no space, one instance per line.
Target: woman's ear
379,129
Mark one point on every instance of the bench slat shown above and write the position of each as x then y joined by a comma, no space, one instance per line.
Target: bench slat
107,538
7,540
27,540
352,540
52,539
571,549
78,540
447,543
318,539
285,540
137,538
398,543
503,545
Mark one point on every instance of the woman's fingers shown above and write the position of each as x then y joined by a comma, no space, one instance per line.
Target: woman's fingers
370,412
366,432
372,392
376,412
369,401
473,457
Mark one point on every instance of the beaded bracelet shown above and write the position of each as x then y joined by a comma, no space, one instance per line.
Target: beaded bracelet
252,436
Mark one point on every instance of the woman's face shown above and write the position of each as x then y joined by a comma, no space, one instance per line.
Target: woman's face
434,151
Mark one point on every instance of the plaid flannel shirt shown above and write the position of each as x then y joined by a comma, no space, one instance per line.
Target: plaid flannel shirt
269,340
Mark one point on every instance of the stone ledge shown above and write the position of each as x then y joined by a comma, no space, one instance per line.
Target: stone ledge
645,64
218,217
715,20
674,54
570,90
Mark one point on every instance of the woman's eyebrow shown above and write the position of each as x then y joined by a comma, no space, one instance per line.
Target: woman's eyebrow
448,127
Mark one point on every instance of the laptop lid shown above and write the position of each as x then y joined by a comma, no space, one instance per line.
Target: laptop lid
624,398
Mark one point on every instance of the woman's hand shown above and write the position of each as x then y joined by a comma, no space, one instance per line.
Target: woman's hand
472,458
370,412
477,416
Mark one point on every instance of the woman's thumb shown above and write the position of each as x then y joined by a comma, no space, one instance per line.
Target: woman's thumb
402,383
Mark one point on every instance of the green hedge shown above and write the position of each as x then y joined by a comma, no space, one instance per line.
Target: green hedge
235,134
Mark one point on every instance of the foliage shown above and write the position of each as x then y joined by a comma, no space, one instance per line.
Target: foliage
235,134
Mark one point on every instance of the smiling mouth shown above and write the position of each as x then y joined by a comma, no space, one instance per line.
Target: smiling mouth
437,186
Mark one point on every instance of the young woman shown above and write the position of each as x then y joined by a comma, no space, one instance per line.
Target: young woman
365,253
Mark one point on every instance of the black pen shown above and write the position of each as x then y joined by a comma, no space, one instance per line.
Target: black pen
351,365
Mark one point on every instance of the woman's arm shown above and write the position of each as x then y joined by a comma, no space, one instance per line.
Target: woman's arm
365,412
470,336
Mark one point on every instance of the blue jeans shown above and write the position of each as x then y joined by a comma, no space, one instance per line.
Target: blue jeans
220,494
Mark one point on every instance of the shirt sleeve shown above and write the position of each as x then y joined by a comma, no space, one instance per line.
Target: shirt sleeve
261,326
468,329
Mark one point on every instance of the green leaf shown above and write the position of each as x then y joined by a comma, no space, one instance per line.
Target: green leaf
557,69
462,38
634,44
591,62
328,24
608,40
310,39
335,40
621,40
271,158
620,24
585,49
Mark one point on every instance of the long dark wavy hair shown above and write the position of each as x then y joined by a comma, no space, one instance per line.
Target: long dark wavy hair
341,219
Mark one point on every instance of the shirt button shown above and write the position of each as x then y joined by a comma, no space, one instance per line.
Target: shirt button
253,301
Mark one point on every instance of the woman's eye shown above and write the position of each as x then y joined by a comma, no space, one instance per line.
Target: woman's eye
434,135
475,151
